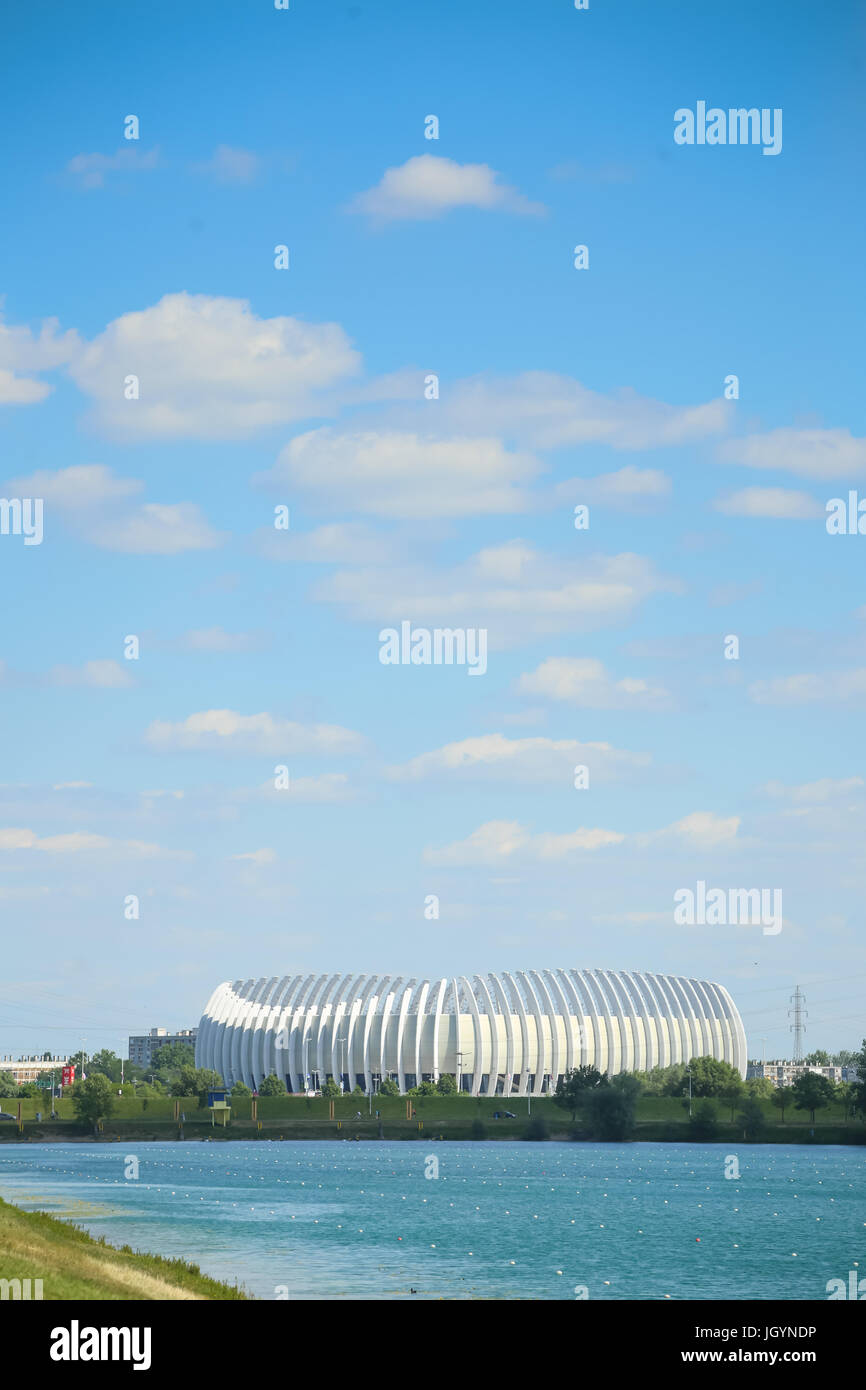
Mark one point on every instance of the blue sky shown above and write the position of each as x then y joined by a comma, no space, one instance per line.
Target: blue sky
305,387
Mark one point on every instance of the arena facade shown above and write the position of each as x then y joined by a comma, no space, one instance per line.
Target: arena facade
499,1034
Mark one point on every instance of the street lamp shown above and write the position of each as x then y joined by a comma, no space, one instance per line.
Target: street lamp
343,1060
528,1093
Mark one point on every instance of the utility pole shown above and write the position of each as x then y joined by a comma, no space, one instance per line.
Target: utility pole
459,1056
798,1027
343,1059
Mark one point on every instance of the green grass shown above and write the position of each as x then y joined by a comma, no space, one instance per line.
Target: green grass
300,1117
72,1265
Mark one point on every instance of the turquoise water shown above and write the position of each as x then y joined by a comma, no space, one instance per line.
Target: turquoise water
510,1221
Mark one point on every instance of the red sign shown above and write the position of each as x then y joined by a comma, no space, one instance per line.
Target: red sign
67,1076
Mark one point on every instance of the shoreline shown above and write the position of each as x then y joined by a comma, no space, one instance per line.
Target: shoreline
440,1137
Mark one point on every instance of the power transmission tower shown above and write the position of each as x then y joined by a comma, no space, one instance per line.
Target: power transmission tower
798,1027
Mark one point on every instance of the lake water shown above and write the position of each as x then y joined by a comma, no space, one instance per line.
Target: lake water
508,1221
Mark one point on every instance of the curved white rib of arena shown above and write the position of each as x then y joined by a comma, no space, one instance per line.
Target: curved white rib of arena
499,1034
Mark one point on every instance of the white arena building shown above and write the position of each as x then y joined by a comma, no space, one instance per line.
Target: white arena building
501,1034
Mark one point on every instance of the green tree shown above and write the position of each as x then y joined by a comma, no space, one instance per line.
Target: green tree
661,1081
760,1087
331,1089
783,1098
859,1061
812,1092
818,1059
710,1076
676,1077
388,1087
703,1123
241,1089
196,1081
93,1099
609,1109
185,1083
732,1092
752,1117
843,1058
446,1085
272,1086
426,1088
8,1087
105,1062
167,1061
573,1087
843,1095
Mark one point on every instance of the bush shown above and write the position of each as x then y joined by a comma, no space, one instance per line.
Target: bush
537,1128
272,1086
610,1109
703,1122
752,1118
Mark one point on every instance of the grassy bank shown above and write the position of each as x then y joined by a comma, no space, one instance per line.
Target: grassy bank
659,1118
72,1265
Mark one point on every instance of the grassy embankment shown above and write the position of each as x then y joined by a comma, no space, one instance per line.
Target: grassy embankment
72,1265
659,1118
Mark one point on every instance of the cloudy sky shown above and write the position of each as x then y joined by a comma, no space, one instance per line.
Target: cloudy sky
309,388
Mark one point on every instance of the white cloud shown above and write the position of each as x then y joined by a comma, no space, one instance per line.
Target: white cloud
216,639
628,488
526,759
546,410
809,453
339,542
21,350
511,589
824,790
104,674
833,687
224,731
329,787
258,856
701,830
80,842
90,170
94,504
583,681
497,842
771,503
208,368
428,185
404,475
78,489
229,164
160,529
